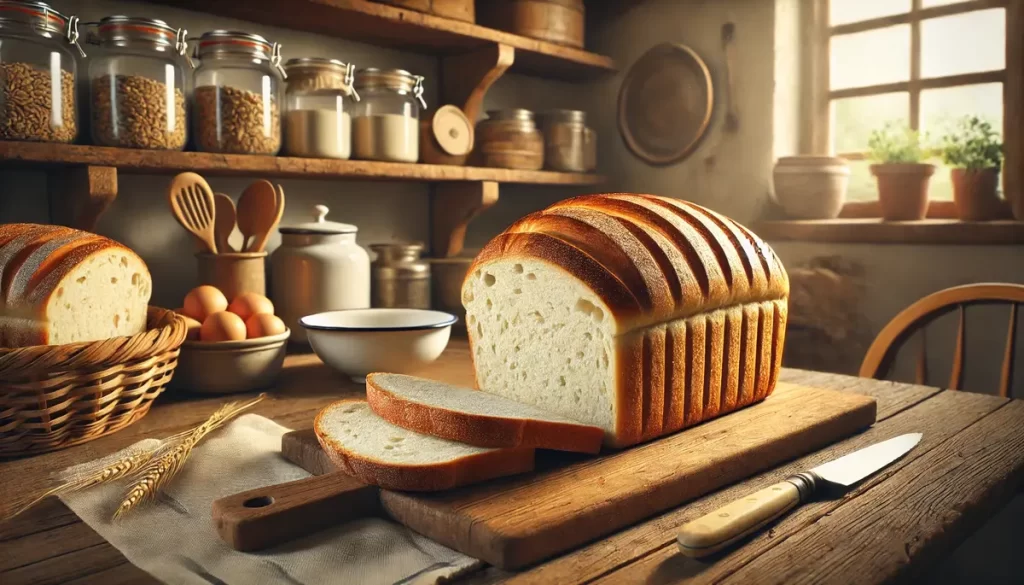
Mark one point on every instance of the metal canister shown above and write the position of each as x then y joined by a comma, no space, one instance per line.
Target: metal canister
399,277
570,146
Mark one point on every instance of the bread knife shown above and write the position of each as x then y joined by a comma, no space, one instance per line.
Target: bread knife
712,532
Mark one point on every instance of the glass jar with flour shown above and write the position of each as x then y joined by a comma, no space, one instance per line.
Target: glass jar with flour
385,122
316,121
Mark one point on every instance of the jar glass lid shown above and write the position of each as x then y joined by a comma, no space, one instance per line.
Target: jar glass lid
311,74
320,225
41,18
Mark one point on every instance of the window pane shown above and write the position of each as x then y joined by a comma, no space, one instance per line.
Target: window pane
853,119
963,43
870,58
862,183
942,108
844,11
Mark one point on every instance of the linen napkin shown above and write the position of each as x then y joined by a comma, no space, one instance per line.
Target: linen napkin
173,537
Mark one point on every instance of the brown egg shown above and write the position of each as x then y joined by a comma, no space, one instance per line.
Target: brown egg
193,328
180,311
263,325
222,326
248,304
203,301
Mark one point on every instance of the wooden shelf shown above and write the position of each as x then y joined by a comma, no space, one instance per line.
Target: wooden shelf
384,25
876,231
131,161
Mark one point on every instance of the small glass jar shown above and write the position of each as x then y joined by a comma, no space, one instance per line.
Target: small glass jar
385,122
237,94
316,123
569,145
36,45
509,139
399,277
137,85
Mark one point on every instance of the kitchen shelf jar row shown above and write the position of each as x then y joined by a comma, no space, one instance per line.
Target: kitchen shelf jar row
244,99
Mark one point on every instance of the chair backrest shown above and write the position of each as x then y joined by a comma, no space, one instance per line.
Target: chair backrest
882,353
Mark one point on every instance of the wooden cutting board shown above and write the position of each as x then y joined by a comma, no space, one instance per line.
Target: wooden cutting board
572,499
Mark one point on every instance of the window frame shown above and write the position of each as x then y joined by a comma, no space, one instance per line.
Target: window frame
816,135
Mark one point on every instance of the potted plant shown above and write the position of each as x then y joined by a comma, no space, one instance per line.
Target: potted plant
902,177
975,152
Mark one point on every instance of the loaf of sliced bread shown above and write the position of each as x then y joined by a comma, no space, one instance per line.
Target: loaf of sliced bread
474,417
639,314
380,453
60,285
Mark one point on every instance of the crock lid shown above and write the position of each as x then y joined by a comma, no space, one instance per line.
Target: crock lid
320,225
452,130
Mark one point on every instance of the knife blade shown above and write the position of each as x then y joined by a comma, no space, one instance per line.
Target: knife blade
724,526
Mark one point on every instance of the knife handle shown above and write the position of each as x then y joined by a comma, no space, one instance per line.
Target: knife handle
731,522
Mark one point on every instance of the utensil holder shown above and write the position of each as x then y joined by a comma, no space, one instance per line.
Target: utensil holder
234,273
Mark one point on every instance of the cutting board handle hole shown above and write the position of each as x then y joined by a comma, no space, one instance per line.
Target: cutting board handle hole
258,502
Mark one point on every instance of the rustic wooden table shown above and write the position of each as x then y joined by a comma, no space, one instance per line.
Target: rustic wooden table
896,524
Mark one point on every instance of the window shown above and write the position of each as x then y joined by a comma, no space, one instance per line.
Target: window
925,63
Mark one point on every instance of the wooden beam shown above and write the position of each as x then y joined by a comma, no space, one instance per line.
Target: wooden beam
135,161
930,83
452,208
876,231
1013,109
918,15
466,78
400,28
79,195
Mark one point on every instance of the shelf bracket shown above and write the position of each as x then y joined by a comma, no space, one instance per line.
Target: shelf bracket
452,208
466,78
80,194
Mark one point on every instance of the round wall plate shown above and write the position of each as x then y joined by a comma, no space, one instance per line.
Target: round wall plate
665,104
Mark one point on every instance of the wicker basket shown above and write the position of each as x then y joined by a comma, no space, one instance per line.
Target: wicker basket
56,396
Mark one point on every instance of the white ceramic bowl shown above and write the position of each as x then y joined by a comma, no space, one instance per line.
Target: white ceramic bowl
357,342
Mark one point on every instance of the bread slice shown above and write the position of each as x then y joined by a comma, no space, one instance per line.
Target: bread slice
639,314
62,285
474,417
380,453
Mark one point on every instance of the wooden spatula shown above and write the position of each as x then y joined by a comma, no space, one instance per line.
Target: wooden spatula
225,221
257,208
192,203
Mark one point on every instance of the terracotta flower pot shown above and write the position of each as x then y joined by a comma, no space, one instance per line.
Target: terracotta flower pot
975,194
903,190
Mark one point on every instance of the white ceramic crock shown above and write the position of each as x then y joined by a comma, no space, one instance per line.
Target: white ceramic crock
318,267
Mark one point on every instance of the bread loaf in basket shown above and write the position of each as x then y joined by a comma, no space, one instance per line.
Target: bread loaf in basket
639,314
83,354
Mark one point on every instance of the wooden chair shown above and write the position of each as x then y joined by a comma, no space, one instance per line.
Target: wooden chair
882,353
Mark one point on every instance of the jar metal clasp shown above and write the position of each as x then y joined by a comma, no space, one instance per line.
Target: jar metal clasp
350,75
417,91
181,46
275,59
72,34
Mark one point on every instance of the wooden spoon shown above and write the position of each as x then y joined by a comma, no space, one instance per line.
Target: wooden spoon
193,205
225,221
257,208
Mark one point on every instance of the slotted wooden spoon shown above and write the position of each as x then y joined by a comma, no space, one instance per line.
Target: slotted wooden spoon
192,203
225,221
256,213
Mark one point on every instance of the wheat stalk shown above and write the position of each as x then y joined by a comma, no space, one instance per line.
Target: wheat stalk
162,468
128,463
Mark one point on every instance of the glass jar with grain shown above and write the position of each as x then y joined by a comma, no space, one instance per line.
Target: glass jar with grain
510,139
316,121
236,101
137,84
37,72
385,122
569,145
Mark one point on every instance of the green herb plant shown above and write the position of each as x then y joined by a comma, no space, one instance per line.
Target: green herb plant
973,145
896,143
